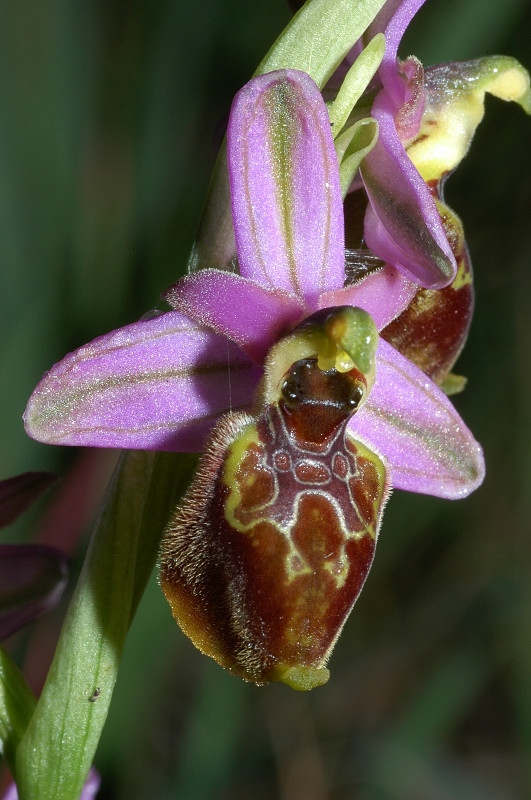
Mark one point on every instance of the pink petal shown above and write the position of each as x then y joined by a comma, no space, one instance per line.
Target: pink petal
250,315
384,294
286,196
412,423
409,115
402,224
158,384
393,21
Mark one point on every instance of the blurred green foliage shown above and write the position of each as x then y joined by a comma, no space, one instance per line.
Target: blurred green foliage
109,117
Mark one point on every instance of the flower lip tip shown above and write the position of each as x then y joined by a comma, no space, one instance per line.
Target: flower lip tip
300,678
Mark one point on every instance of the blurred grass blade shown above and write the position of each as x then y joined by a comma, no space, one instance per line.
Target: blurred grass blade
17,704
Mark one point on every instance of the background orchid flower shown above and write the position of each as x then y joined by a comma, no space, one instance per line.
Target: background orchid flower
402,225
32,577
432,330
160,383
420,247
426,123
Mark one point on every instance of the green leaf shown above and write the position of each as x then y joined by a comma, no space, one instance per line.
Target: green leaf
17,704
56,752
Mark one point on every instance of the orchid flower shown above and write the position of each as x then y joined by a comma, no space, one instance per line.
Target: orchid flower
402,225
426,122
432,330
160,383
238,342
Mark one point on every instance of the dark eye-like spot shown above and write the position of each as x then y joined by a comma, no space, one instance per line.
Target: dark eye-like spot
292,391
296,388
355,399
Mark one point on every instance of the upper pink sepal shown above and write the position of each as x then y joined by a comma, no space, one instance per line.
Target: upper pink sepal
286,196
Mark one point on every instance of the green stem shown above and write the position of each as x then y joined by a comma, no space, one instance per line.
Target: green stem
57,749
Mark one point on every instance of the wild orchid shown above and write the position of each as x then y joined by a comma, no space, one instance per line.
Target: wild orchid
426,121
433,329
238,339
311,386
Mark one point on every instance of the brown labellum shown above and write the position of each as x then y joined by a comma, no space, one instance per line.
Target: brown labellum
264,559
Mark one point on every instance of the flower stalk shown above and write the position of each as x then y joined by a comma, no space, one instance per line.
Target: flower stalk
58,746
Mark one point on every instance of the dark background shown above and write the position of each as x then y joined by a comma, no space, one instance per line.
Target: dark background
108,120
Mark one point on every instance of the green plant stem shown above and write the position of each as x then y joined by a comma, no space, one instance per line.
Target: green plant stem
57,749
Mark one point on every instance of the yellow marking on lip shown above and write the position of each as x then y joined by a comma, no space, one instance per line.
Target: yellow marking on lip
338,572
235,455
463,277
294,572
